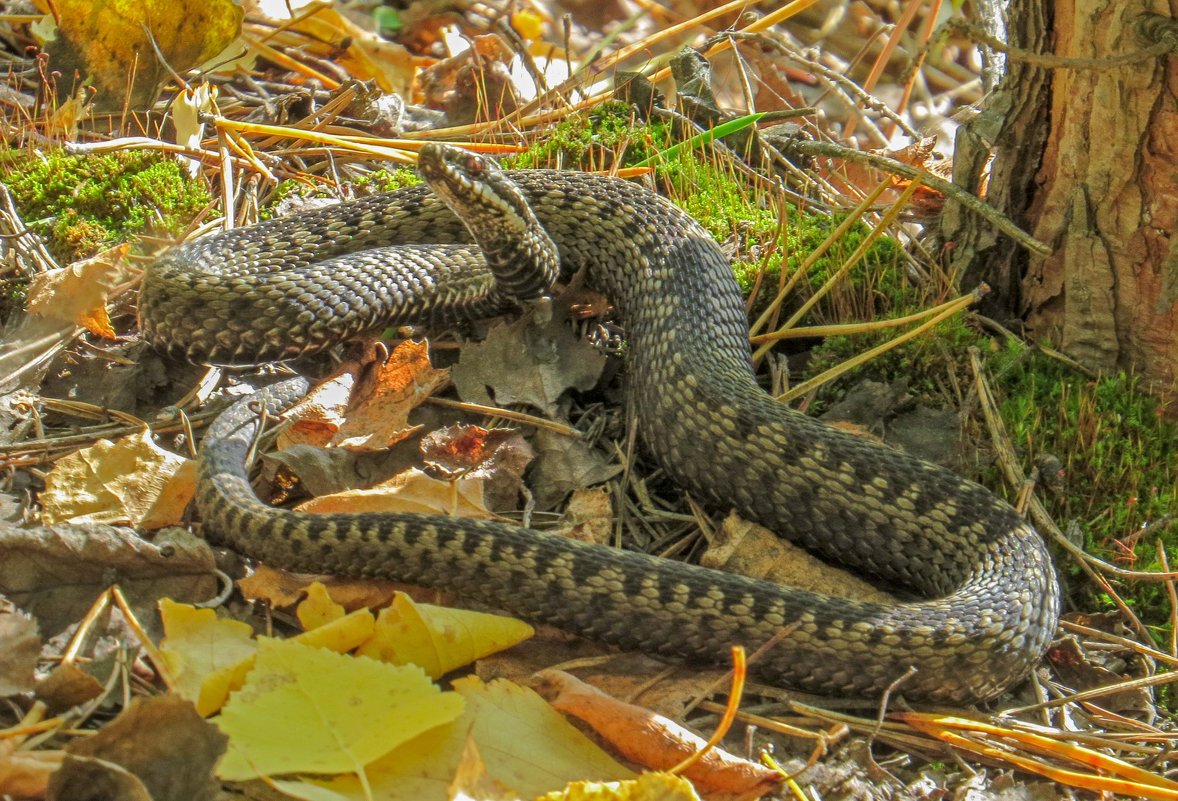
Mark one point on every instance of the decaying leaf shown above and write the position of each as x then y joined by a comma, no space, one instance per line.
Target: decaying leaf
307,710
67,686
739,546
19,648
160,741
55,573
588,517
112,43
437,638
131,481
77,294
412,491
527,361
564,465
25,774
499,456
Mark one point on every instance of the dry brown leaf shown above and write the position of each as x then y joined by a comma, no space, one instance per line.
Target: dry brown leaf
411,491
739,546
77,294
25,774
363,54
498,455
67,686
528,361
366,406
589,517
655,742
20,646
317,418
565,465
131,481
380,404
56,572
160,740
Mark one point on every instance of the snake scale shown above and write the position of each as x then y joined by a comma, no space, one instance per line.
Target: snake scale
985,595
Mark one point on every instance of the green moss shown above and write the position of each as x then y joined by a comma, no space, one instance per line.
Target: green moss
388,180
609,136
83,203
1116,451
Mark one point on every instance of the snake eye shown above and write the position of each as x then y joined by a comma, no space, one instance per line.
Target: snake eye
474,165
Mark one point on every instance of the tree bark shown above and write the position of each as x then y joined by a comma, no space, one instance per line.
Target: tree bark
1087,161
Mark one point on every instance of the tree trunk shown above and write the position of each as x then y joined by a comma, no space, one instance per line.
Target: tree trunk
1087,161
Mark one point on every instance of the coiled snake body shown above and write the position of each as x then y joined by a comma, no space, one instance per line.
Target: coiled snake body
990,598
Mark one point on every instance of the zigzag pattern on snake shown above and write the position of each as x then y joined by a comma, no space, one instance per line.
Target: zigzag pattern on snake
987,593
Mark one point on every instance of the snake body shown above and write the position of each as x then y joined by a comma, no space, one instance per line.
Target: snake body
987,597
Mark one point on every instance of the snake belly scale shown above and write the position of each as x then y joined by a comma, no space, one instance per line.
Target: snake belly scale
987,594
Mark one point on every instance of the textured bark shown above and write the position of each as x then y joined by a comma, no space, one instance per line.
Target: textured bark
1087,161
1109,200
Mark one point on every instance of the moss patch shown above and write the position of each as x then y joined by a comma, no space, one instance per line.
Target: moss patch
82,203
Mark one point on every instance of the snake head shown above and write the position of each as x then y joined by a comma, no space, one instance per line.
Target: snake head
473,186
516,247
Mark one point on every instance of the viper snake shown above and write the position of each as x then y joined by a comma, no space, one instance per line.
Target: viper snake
984,595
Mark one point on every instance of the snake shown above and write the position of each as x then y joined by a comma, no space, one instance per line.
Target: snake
980,596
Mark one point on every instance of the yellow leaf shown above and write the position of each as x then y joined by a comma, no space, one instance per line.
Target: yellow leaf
306,710
647,787
128,482
341,635
112,42
528,24
439,639
77,294
524,745
318,608
207,657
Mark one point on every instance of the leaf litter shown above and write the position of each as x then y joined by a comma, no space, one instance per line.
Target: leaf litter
158,747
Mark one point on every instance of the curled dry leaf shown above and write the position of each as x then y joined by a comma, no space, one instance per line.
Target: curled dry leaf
380,404
499,456
653,741
77,294
160,741
367,406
